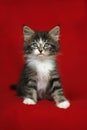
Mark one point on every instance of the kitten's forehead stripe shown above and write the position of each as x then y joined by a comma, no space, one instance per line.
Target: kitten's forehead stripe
41,35
40,42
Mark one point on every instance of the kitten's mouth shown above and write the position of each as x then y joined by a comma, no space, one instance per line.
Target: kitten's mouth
40,54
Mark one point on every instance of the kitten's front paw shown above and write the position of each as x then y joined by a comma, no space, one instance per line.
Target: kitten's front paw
29,101
65,104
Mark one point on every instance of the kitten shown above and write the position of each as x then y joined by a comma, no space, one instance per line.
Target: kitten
40,77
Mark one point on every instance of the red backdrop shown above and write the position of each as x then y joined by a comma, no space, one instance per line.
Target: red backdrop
71,15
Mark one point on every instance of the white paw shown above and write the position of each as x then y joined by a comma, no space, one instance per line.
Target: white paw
64,104
29,101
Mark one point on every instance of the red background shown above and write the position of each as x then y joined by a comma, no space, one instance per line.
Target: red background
71,15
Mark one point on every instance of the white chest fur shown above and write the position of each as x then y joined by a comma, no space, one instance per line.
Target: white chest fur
43,69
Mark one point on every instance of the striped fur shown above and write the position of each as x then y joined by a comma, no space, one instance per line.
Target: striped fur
40,78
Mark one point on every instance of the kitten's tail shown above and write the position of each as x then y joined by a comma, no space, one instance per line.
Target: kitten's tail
13,87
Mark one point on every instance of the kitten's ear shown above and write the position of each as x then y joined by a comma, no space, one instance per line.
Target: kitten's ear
54,33
28,32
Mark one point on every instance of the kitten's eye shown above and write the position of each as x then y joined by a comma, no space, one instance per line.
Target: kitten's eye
34,45
47,45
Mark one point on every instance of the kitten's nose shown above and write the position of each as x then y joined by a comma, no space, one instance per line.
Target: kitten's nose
40,51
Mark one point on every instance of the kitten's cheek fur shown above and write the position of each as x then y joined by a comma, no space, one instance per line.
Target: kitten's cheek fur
29,101
63,105
36,52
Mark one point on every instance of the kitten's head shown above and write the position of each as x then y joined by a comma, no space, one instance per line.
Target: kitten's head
41,44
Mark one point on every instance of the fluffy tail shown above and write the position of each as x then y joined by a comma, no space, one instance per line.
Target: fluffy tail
13,87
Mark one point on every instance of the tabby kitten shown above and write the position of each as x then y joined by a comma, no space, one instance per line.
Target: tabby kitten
40,78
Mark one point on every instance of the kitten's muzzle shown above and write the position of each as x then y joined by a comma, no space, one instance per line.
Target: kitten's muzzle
40,51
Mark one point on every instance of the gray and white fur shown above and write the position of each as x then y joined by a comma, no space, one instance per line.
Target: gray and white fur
40,77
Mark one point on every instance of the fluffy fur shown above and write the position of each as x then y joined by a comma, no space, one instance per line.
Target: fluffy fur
40,77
